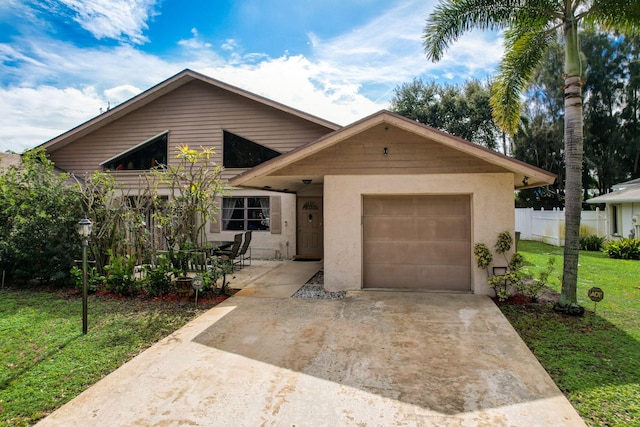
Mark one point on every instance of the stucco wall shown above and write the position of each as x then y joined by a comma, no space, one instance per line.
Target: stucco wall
492,211
265,244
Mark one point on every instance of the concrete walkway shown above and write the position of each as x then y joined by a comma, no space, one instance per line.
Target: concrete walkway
371,359
278,279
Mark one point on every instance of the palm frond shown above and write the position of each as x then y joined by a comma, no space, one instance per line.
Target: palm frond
452,18
523,53
621,15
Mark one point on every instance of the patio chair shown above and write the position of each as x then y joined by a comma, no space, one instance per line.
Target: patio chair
245,248
231,255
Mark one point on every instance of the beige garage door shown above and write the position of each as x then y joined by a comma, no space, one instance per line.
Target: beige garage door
417,242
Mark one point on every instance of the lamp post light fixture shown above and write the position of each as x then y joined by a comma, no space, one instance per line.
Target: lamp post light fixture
84,230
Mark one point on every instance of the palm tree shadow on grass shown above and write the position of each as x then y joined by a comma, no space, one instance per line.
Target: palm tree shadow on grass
580,353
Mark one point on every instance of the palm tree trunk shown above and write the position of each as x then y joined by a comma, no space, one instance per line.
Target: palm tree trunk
573,138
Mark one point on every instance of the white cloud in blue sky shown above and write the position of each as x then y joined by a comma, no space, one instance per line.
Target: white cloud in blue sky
63,60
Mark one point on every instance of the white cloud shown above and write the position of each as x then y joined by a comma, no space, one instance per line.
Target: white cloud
119,94
34,115
195,42
342,79
123,20
297,82
389,50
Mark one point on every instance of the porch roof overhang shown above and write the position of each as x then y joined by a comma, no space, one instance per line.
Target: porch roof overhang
628,195
269,175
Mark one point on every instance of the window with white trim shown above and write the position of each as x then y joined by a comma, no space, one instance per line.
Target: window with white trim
245,214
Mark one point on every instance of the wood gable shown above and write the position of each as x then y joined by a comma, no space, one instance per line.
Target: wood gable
195,110
386,144
385,149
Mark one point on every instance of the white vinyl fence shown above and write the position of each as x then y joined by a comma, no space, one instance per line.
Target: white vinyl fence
548,226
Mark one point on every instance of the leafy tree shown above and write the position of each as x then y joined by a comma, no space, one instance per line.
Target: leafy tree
192,186
39,209
463,111
631,111
605,145
530,27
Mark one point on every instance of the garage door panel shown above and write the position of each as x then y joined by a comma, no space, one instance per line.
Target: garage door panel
419,242
444,277
387,229
416,253
456,228
411,228
391,276
443,206
405,276
378,206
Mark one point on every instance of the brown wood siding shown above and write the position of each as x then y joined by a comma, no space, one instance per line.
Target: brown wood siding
407,153
418,242
195,114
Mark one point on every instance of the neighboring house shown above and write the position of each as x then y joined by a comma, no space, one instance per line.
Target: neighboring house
391,203
386,202
7,160
190,108
623,209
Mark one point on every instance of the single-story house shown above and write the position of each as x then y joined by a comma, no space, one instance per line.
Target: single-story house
623,209
386,202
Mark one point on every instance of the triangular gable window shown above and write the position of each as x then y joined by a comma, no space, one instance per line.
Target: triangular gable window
144,156
242,153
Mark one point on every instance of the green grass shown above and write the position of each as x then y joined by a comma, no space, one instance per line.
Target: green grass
595,359
46,360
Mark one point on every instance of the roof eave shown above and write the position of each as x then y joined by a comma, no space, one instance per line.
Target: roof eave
535,177
161,89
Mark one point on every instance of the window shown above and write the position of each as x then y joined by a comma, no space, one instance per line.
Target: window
245,214
239,152
615,220
144,156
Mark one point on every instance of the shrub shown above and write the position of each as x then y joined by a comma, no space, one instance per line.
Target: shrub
120,277
157,280
503,285
94,279
533,288
483,255
39,209
504,242
623,249
591,243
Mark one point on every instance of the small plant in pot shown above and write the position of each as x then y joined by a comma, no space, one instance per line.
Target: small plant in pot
502,284
180,262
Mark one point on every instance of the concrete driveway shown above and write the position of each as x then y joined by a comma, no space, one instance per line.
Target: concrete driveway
371,359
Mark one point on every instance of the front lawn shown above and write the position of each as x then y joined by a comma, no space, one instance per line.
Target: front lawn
46,360
595,360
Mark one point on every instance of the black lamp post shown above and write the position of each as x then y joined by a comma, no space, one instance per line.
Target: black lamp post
84,230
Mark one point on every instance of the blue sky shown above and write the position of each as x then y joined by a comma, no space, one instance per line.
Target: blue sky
61,61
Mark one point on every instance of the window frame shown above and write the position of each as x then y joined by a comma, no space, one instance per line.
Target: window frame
161,138
248,220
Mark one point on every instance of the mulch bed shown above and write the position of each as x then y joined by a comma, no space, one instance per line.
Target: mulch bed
549,296
207,299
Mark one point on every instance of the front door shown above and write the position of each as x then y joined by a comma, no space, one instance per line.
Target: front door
310,235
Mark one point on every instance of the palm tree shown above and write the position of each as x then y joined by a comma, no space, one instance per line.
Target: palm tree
529,28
